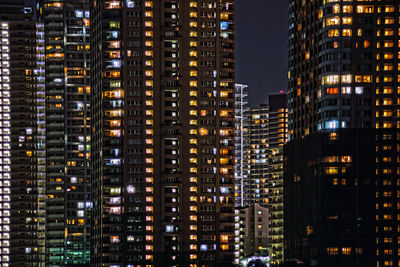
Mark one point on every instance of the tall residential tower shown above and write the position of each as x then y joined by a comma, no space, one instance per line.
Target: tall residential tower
241,144
163,132
21,183
66,39
342,166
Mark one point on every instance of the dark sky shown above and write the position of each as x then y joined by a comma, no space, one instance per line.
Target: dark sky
261,47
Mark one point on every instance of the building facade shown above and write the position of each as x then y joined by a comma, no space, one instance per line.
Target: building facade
257,156
241,144
67,84
163,132
343,88
251,232
277,137
21,193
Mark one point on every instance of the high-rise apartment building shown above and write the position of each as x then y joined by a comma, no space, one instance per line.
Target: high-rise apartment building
67,84
277,137
257,156
163,132
341,181
259,139
21,173
251,233
241,143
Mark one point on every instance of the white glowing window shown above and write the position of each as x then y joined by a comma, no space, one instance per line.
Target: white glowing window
359,90
80,213
130,189
115,210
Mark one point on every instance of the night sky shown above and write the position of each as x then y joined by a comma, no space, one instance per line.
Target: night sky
261,47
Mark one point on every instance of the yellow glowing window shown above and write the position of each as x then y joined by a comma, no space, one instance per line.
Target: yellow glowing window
193,63
149,189
365,9
224,161
224,238
148,34
115,123
148,4
347,32
149,83
149,209
389,9
193,43
332,79
193,24
203,131
347,9
332,21
346,251
347,20
193,83
320,14
387,101
149,63
307,55
148,23
149,160
149,151
332,251
148,53
148,14
193,141
149,141
331,170
333,33
224,247
149,132
224,15
193,4
193,53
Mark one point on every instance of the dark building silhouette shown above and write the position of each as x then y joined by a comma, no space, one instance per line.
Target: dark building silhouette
341,174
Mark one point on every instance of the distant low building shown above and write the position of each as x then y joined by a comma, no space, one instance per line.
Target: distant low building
251,231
